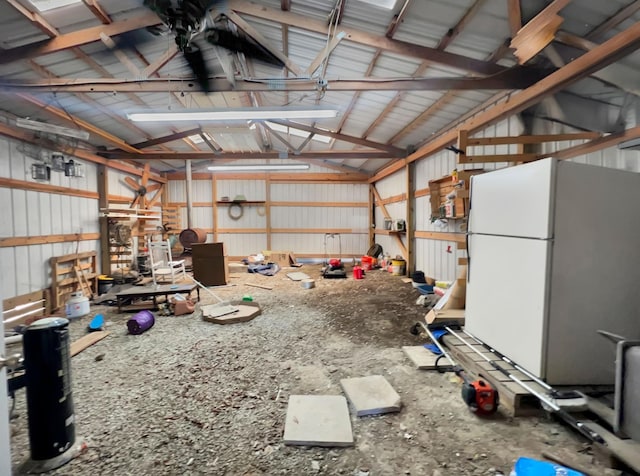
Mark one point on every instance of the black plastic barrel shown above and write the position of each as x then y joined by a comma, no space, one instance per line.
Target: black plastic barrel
48,383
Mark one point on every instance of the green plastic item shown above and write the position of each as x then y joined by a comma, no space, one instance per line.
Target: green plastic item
246,297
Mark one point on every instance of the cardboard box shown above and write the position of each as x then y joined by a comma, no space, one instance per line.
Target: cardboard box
281,258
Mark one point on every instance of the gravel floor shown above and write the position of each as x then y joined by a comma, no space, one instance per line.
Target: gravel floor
190,397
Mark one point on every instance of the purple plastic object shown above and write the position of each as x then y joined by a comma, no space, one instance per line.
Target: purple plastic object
140,322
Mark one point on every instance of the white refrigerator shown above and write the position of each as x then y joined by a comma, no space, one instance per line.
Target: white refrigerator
554,255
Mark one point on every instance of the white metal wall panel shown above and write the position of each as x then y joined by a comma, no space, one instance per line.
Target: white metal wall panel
34,213
392,185
611,157
250,218
177,191
201,190
352,245
117,185
354,219
243,245
251,189
289,192
202,217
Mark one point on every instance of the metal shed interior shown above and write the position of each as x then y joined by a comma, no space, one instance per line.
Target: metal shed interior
413,91
404,79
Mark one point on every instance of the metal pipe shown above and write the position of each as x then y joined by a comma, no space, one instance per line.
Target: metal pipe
435,341
189,197
579,426
540,382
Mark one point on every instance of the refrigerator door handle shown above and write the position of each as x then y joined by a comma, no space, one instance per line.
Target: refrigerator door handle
469,231
468,241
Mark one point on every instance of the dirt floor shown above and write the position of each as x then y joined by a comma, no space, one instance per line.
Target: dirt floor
190,397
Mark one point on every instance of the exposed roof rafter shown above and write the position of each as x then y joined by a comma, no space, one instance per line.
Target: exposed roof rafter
35,18
394,151
513,78
612,22
77,38
381,42
324,154
610,51
98,11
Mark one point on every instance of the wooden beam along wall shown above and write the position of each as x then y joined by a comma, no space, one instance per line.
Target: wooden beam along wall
58,190
47,239
282,204
278,178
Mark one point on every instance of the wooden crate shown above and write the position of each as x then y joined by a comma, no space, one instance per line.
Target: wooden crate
63,275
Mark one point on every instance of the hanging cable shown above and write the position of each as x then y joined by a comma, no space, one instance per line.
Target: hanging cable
331,33
238,213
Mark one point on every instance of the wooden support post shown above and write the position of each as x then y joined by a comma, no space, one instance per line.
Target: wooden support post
463,137
410,216
372,216
267,208
214,206
396,237
103,204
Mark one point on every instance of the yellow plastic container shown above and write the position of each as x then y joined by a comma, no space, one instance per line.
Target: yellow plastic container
398,267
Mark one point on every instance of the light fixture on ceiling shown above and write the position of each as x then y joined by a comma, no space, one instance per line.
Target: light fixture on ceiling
256,167
238,114
46,5
632,144
51,128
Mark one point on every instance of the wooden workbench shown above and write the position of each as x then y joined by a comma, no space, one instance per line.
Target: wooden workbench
153,291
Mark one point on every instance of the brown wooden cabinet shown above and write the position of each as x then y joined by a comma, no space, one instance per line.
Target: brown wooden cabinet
210,265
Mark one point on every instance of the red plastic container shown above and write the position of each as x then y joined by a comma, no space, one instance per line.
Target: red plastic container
358,272
367,263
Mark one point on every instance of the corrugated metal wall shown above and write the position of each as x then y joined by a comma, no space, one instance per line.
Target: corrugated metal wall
308,222
611,157
393,185
33,213
439,258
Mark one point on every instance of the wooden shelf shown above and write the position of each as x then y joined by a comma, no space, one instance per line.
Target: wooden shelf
440,188
390,232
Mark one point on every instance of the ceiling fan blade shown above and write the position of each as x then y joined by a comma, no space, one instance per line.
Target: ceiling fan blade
145,174
132,183
135,200
153,187
195,59
241,43
155,197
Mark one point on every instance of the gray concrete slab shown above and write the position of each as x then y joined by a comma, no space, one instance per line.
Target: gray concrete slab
318,420
422,358
371,395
